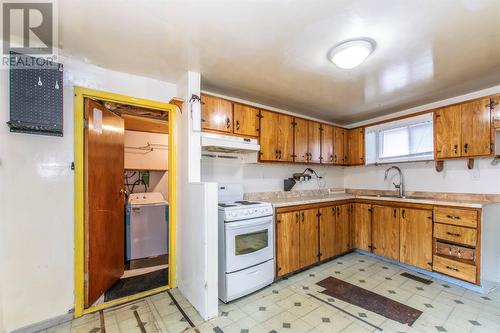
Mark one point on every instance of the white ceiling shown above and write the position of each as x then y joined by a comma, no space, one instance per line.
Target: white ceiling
274,51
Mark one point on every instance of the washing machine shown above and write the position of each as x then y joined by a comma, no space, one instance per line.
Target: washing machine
146,225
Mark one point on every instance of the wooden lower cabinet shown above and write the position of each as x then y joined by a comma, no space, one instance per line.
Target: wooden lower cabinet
361,226
308,245
342,229
287,243
385,232
327,232
416,238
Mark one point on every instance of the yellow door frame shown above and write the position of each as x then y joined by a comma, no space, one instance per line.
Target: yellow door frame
79,94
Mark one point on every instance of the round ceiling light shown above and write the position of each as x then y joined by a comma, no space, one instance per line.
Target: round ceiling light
351,53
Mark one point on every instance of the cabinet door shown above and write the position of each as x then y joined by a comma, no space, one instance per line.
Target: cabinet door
285,138
338,146
245,120
301,134
269,136
216,114
385,232
342,229
314,142
327,232
447,132
496,111
327,144
308,237
362,226
355,146
287,243
416,238
476,128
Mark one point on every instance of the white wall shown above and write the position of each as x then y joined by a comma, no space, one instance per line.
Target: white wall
197,212
36,203
264,177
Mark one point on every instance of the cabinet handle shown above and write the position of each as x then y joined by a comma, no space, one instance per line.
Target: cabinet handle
276,154
403,213
228,122
453,234
237,125
394,212
303,217
331,158
279,152
452,268
466,147
335,158
338,211
333,210
453,217
296,217
455,149
203,120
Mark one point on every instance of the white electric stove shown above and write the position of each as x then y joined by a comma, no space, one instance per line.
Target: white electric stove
246,243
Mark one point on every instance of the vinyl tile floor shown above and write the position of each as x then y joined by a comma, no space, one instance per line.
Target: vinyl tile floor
295,304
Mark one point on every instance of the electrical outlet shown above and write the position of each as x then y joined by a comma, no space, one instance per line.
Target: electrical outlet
475,174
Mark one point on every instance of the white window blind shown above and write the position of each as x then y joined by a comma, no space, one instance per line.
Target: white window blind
409,139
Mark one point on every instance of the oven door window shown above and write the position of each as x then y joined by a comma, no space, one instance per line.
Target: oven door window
251,242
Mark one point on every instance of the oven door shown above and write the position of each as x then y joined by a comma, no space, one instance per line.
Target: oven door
248,243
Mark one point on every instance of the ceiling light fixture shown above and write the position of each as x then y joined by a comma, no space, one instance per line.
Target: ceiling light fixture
351,53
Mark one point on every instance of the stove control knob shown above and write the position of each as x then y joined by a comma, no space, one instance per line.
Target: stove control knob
245,212
233,214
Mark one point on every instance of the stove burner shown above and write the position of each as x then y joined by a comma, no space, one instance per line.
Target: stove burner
226,205
246,203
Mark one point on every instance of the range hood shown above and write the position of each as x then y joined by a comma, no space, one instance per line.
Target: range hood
228,144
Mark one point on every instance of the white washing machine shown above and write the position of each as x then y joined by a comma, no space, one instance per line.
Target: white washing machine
146,225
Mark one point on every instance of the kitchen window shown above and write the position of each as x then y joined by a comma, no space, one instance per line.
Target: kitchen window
409,139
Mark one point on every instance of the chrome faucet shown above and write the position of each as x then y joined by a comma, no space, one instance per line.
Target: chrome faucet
401,185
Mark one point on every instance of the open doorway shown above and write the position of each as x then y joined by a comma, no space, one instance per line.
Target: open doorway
127,202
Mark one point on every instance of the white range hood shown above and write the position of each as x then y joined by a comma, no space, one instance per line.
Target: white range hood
228,144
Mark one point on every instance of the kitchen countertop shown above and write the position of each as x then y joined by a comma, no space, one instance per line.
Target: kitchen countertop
286,202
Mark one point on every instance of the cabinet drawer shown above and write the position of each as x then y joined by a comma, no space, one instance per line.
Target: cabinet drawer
455,251
455,234
455,268
461,217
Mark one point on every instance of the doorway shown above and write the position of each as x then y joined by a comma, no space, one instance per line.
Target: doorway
124,199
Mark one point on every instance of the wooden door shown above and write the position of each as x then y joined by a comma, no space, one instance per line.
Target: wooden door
355,146
416,238
327,232
309,247
496,111
342,229
385,232
476,128
447,132
216,114
245,120
104,200
327,155
301,134
285,138
338,146
314,142
269,136
362,226
287,243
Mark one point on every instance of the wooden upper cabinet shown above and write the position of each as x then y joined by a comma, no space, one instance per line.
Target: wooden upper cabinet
361,226
314,142
245,120
476,128
327,232
216,114
338,146
355,146
301,135
287,243
269,124
447,129
385,231
416,238
285,138
496,111
342,229
309,246
327,155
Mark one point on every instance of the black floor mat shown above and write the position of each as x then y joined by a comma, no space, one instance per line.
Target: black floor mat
136,284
